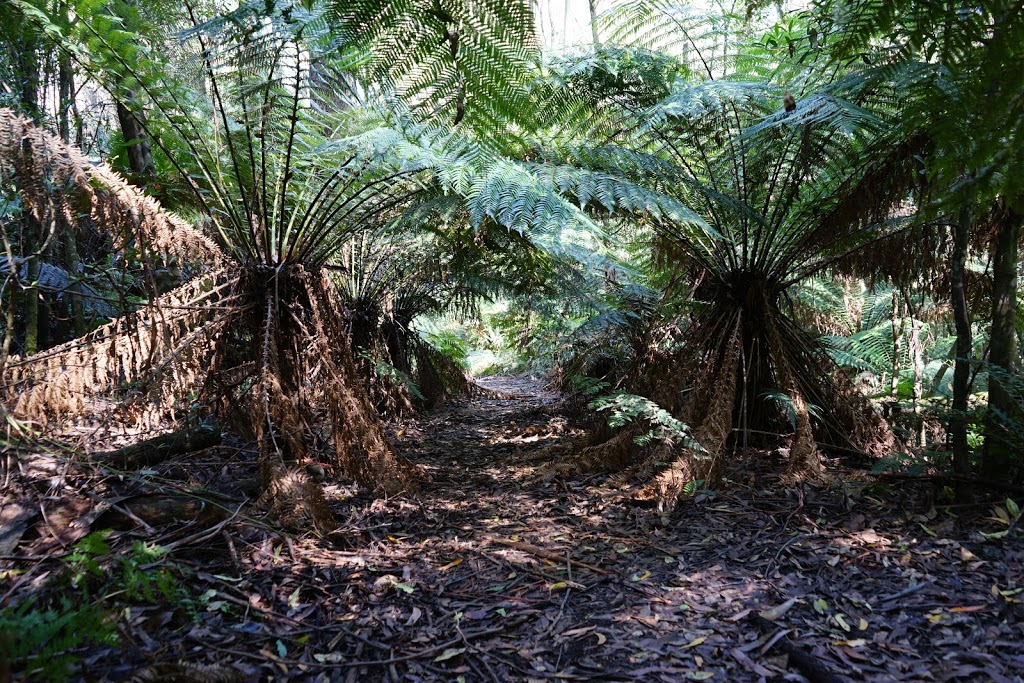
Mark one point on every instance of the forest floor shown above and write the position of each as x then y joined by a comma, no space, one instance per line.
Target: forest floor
494,572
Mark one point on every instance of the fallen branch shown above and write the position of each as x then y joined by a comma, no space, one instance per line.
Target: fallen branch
543,554
912,588
808,664
961,478
157,450
204,535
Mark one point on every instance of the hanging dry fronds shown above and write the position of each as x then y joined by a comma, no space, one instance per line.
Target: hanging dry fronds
688,465
55,180
158,352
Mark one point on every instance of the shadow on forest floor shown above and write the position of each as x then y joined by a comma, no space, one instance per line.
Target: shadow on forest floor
493,574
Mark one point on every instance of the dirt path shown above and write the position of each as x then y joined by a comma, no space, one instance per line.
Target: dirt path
492,574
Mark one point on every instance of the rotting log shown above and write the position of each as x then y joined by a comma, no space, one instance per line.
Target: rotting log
156,450
157,510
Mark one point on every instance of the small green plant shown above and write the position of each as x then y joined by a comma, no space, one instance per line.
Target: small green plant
138,580
787,404
451,345
625,408
590,386
39,642
389,372
83,564
98,589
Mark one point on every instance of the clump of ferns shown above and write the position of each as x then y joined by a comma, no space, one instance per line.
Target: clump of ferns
748,200
386,284
262,332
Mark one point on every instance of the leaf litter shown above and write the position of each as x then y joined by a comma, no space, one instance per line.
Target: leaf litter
494,574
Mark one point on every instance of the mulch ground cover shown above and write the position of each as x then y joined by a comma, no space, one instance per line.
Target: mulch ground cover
493,572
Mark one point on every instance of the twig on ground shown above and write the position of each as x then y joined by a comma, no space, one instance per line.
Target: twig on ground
542,553
809,665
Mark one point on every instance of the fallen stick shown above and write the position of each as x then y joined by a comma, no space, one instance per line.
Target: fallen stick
544,554
808,664
912,588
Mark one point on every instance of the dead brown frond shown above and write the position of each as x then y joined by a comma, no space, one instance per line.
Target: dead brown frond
56,181
688,465
877,195
158,352
803,455
360,442
266,347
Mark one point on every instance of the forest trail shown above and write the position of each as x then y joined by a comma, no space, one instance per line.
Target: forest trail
492,573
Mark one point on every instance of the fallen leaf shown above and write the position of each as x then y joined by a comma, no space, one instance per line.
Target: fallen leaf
571,633
842,622
562,585
330,658
968,608
640,576
694,643
776,612
454,563
966,555
449,653
751,665
856,642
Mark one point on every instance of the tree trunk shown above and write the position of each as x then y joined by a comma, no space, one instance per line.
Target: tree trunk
74,293
140,157
593,22
28,70
65,94
897,337
962,369
27,59
1000,458
916,349
29,295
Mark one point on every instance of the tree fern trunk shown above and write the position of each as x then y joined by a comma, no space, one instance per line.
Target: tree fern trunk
593,22
29,294
916,349
1000,458
897,338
